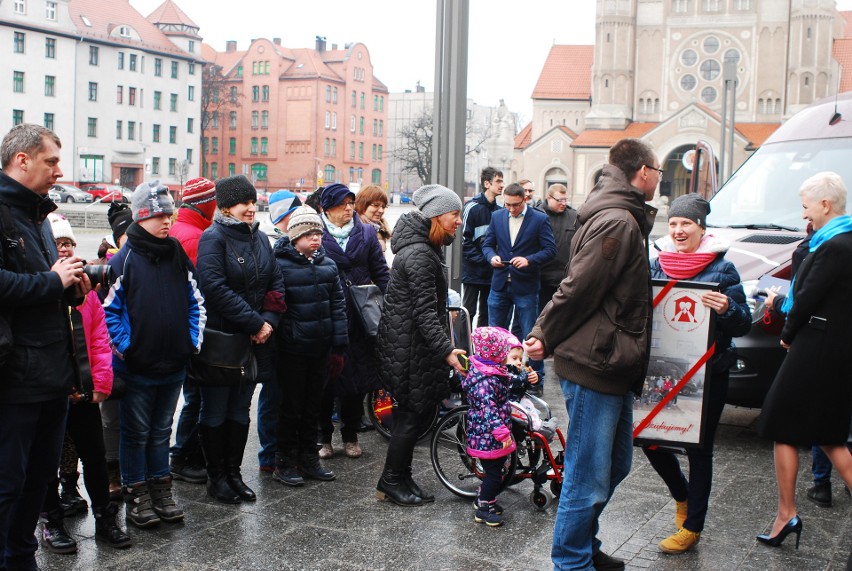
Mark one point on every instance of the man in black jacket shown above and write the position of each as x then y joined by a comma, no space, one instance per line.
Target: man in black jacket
563,222
476,270
38,374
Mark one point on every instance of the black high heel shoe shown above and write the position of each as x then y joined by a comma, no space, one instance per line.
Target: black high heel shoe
793,526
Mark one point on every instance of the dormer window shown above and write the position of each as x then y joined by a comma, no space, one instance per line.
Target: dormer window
124,31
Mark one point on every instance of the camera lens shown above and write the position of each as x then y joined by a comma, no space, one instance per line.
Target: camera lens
99,274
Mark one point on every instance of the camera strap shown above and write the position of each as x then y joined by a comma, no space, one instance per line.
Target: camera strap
80,352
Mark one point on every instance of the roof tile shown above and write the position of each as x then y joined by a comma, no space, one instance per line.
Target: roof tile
567,73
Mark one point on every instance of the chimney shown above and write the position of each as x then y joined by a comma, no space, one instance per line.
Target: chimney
276,41
333,46
320,44
231,46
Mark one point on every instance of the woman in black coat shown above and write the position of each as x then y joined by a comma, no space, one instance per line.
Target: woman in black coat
810,401
244,294
414,346
355,249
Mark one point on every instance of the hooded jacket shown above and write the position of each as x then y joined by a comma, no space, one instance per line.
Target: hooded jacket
315,320
598,324
414,336
188,227
32,298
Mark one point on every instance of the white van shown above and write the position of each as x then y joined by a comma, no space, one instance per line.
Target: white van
759,211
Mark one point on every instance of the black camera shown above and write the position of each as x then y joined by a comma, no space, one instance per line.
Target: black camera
98,274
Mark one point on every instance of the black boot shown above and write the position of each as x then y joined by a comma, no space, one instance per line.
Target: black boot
162,499
69,497
425,496
213,444
139,510
237,435
286,471
820,494
188,464
54,535
107,529
310,467
392,487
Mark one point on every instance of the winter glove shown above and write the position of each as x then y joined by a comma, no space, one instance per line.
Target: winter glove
335,365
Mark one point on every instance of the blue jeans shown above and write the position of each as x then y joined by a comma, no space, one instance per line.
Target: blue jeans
219,404
186,433
500,311
268,406
30,443
146,412
821,466
598,456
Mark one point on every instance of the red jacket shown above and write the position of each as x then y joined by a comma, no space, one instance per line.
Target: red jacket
187,229
97,342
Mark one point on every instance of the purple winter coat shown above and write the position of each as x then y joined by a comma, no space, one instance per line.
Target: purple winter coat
362,263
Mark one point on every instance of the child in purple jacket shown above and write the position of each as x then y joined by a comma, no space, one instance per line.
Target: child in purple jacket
489,419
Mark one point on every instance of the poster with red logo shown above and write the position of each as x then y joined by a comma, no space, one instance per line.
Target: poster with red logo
670,410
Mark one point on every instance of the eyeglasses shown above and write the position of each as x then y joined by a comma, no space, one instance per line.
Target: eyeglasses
378,205
559,200
513,204
661,171
65,244
348,204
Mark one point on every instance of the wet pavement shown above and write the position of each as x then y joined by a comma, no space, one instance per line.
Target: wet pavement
340,525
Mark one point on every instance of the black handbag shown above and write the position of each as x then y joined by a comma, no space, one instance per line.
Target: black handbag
225,360
367,300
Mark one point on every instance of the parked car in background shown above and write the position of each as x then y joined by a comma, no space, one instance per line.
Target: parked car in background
759,211
262,201
54,195
108,192
71,193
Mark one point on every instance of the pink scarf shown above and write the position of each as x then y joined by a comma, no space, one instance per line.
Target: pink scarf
682,266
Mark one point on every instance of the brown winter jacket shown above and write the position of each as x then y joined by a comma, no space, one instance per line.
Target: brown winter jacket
598,324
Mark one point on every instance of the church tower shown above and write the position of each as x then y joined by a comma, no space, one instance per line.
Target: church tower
612,70
812,72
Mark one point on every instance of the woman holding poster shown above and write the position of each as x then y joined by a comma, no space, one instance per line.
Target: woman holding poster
688,253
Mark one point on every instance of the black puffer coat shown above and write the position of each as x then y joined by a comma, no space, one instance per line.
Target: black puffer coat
316,309
414,337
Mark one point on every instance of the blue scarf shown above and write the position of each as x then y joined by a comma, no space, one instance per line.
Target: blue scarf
837,225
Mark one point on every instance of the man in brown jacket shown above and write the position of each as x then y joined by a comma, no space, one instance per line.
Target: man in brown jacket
597,327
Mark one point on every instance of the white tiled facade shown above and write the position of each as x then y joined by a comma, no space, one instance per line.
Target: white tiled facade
104,107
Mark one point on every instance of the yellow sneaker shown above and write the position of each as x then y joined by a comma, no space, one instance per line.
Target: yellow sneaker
680,513
680,541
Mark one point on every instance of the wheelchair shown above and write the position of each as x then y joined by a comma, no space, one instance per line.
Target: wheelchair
539,456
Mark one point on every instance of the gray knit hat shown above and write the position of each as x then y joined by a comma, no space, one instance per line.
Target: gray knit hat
691,206
151,199
303,220
433,200
233,190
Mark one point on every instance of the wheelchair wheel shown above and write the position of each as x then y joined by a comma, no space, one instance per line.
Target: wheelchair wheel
457,471
380,412
540,499
556,488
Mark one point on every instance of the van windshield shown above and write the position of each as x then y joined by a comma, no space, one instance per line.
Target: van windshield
764,192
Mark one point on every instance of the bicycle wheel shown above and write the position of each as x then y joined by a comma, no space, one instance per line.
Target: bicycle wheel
380,411
457,471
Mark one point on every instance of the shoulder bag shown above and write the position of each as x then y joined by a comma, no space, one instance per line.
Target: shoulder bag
367,301
225,359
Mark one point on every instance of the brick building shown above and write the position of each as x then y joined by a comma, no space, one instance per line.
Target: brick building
292,117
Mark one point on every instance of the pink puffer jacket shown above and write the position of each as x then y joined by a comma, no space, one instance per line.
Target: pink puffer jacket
97,342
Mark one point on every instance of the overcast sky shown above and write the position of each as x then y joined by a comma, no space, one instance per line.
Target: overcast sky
508,43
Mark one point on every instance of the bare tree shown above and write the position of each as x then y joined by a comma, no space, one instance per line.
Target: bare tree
415,144
216,102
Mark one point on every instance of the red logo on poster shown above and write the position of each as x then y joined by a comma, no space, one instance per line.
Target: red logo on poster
684,311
